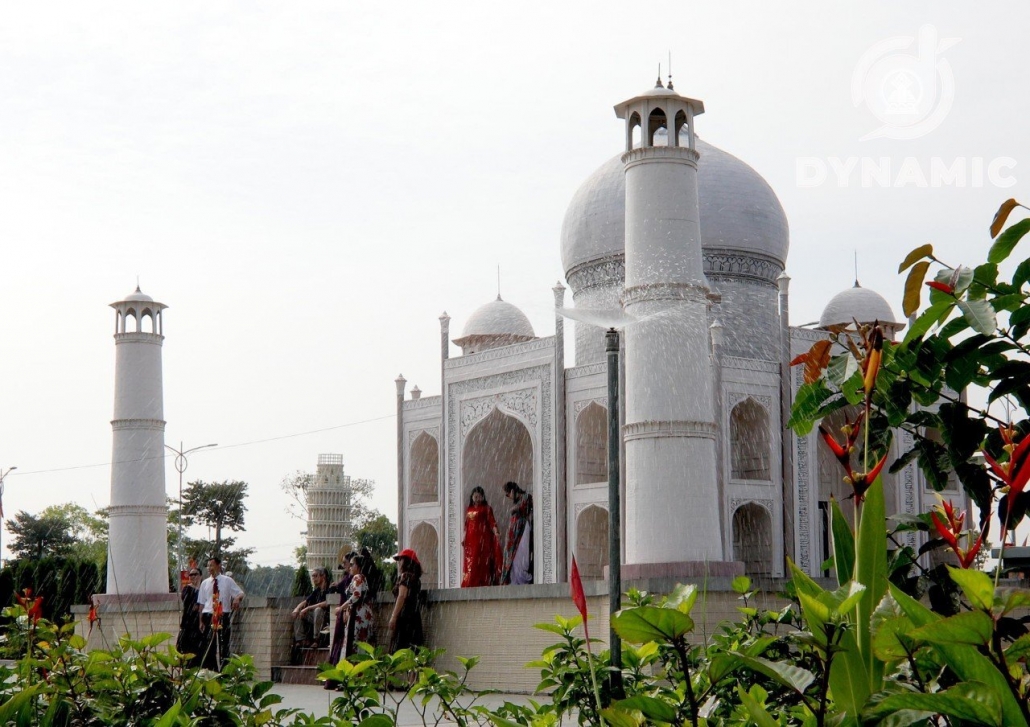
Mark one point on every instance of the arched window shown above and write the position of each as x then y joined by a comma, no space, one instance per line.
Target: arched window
592,542
680,125
633,132
425,543
130,315
146,323
752,539
497,450
749,442
592,445
656,120
424,470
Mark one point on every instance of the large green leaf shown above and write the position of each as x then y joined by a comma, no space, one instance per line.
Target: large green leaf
650,623
976,585
972,702
1003,246
890,628
651,707
871,571
980,314
966,661
849,675
756,709
843,543
682,598
789,675
928,319
968,627
807,402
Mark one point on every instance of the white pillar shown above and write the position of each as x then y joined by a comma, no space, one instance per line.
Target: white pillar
137,557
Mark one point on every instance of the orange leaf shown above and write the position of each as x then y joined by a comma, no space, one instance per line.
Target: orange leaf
818,359
1002,215
799,359
914,286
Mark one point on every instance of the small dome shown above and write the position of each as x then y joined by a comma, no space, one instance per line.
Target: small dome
739,211
140,296
858,304
497,323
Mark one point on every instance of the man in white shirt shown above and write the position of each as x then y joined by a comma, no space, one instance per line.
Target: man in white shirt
223,589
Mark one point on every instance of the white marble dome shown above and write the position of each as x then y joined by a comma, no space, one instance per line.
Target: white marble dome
858,304
739,211
498,323
140,296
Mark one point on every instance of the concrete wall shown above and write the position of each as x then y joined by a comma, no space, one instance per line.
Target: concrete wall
495,624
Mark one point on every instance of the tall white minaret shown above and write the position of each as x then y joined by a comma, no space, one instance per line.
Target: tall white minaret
672,500
137,557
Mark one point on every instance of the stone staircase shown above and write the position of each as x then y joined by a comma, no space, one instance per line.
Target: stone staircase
307,668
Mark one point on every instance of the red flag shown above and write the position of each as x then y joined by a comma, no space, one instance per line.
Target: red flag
578,597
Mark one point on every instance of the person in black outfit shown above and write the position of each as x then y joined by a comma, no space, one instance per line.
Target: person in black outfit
190,640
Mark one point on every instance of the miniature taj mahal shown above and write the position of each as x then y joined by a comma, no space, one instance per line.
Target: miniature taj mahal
689,244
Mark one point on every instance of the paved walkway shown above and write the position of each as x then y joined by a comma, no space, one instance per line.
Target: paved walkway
315,700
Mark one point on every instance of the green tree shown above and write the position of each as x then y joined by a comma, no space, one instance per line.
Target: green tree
89,529
301,582
36,536
233,559
377,534
216,505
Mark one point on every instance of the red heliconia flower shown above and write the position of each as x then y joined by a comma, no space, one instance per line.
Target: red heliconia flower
33,606
1015,472
873,343
94,614
951,530
860,481
943,287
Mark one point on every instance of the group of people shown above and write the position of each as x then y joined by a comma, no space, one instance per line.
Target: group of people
356,615
484,563
205,628
207,606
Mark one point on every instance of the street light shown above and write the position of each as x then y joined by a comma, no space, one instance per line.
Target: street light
181,463
2,476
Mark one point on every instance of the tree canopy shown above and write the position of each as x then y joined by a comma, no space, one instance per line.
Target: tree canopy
37,535
378,534
216,505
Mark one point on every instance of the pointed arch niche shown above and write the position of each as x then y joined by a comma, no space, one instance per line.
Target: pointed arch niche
424,471
592,445
749,442
592,542
426,545
498,449
752,539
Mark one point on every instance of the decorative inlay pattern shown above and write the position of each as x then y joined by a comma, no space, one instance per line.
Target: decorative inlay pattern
581,405
521,404
543,435
413,434
802,522
604,272
808,334
587,370
750,364
581,506
433,522
657,430
908,486
157,425
537,344
736,502
735,397
737,265
650,292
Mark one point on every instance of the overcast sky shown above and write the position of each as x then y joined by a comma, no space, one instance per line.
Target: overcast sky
309,185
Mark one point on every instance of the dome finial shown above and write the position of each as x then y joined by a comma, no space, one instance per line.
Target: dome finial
658,81
670,72
498,282
856,269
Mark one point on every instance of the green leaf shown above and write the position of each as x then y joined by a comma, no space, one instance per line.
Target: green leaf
1019,649
871,570
682,598
980,314
807,402
786,674
966,661
650,623
379,720
721,666
968,627
914,287
845,598
650,707
620,718
972,702
890,628
928,319
843,543
976,585
758,712
919,253
741,584
1013,598
170,717
1005,243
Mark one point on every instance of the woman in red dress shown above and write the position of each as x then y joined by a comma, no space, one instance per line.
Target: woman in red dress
482,544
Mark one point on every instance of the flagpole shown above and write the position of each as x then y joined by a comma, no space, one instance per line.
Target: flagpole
614,513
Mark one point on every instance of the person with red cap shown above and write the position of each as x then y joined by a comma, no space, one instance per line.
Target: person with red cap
405,621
